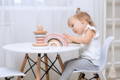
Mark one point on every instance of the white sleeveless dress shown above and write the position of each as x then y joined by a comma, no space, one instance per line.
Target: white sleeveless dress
92,50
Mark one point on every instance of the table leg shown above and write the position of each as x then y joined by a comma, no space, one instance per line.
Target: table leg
38,64
52,66
97,76
46,66
23,65
60,62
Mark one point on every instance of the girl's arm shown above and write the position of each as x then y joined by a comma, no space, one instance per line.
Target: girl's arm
85,40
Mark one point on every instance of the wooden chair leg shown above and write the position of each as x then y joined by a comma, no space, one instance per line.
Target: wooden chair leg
23,65
7,78
38,64
98,79
97,76
46,66
81,76
60,62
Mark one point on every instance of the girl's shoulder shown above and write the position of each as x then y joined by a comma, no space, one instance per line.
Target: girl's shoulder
95,30
91,28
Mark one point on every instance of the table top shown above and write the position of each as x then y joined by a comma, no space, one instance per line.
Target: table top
28,48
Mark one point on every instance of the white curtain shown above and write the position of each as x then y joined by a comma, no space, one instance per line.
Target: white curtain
19,17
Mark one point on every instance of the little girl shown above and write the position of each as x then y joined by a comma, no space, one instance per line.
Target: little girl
82,24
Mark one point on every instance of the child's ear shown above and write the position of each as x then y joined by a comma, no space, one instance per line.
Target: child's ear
69,23
77,10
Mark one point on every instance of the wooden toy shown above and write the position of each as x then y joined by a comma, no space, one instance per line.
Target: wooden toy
40,35
56,40
48,40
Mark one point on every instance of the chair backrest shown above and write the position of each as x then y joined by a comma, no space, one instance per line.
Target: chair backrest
104,52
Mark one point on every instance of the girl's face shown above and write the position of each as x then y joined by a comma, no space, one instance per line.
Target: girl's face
78,26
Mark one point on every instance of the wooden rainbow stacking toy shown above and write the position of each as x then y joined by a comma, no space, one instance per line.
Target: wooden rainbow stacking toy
56,40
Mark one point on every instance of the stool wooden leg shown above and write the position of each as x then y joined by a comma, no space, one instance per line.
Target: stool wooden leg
38,64
60,62
97,76
46,66
23,65
81,76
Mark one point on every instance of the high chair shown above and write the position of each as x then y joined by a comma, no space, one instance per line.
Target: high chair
8,73
103,61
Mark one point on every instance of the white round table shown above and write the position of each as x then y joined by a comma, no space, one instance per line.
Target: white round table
27,48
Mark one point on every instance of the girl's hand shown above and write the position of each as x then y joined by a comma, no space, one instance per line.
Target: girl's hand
68,37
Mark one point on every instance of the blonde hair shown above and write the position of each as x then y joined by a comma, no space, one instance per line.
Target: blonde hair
84,16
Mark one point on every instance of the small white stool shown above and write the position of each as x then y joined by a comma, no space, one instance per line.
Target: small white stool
9,73
103,62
